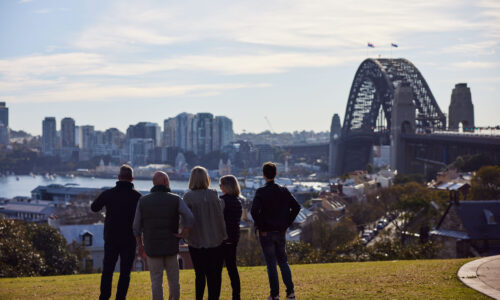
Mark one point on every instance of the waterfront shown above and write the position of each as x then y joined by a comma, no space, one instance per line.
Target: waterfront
11,187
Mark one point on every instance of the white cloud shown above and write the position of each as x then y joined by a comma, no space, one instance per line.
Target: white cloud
476,65
53,65
305,24
90,64
43,11
97,92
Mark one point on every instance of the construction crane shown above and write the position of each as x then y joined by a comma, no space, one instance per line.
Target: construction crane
269,123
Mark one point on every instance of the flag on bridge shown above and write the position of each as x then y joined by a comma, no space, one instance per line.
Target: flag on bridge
371,45
394,45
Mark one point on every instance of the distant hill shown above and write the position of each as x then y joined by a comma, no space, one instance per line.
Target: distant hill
411,279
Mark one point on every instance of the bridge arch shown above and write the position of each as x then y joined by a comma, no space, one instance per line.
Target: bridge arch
370,99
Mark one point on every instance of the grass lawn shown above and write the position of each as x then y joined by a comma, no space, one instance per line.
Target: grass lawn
424,279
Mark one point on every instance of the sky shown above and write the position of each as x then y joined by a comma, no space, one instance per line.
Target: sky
115,63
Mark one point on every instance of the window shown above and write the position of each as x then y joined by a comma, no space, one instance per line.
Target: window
87,239
490,218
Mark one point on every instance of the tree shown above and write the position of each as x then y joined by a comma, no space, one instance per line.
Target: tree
321,234
18,256
469,163
249,251
31,250
81,253
417,206
402,178
304,253
485,184
52,246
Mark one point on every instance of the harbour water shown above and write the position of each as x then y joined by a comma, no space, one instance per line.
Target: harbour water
12,186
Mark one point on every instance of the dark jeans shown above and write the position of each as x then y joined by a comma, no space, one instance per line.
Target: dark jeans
207,264
229,252
273,246
126,252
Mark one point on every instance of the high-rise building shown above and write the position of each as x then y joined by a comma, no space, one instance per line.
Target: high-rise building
184,131
169,132
4,134
113,137
202,130
145,130
139,150
4,124
4,114
225,132
87,137
68,133
49,136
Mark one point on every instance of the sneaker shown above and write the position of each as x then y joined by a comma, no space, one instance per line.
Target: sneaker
273,298
290,296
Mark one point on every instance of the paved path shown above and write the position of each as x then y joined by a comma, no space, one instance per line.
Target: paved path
482,275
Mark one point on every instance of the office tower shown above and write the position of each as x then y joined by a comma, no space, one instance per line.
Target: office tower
225,132
113,137
49,136
68,133
169,132
4,134
202,130
153,131
4,124
184,131
87,137
144,130
216,134
4,114
139,150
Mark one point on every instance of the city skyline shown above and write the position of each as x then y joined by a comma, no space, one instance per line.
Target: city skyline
292,63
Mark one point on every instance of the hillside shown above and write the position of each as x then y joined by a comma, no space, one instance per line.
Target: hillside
424,279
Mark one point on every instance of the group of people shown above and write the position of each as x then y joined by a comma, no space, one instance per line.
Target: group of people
155,223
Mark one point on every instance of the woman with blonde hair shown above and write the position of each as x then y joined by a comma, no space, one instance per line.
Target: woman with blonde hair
232,215
207,234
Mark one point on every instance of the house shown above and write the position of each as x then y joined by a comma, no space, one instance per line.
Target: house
92,237
469,228
29,211
64,193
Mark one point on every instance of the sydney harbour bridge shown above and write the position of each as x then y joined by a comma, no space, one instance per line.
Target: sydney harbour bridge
391,104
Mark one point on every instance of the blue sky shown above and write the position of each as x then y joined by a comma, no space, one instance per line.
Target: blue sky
111,63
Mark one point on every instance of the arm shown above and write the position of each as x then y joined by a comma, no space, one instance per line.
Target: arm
256,210
137,229
294,207
187,218
99,202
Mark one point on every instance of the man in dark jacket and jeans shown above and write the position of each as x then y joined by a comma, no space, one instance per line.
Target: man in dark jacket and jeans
119,240
273,210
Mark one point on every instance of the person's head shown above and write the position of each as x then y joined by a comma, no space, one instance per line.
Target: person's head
269,170
126,173
199,179
229,185
161,178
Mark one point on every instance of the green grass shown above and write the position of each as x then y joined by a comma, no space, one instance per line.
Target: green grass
424,279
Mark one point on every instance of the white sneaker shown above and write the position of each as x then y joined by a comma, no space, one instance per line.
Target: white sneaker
273,298
290,296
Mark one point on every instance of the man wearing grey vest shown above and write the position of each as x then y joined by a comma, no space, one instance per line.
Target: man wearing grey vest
156,228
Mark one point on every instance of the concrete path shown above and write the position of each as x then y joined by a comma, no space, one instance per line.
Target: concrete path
482,275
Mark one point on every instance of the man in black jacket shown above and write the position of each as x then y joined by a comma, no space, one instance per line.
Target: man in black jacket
273,210
119,241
